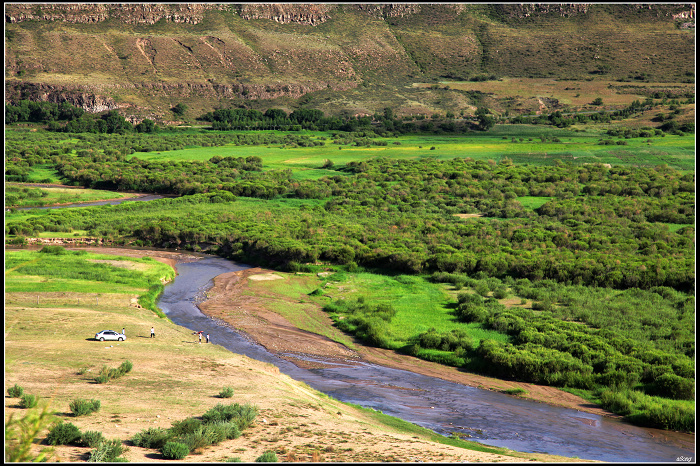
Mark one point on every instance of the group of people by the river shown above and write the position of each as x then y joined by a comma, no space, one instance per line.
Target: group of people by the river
200,336
153,334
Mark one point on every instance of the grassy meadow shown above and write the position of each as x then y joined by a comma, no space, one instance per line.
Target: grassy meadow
521,143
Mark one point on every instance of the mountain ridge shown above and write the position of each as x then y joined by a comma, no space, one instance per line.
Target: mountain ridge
356,58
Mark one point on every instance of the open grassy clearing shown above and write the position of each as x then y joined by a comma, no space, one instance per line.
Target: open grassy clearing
502,141
74,272
289,297
420,305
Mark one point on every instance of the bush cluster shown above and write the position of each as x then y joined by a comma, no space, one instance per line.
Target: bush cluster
81,407
222,422
106,374
15,391
175,450
91,438
107,451
63,433
367,321
267,457
28,401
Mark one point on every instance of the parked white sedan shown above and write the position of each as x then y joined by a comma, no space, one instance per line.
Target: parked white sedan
110,335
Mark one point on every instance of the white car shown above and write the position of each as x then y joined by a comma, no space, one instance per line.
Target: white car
110,335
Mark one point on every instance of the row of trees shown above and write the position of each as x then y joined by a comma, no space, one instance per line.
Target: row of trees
77,121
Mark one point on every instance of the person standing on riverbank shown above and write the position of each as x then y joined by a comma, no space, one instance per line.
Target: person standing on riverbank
124,331
207,338
153,332
200,338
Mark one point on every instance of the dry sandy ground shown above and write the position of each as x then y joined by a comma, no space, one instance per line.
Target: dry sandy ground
175,378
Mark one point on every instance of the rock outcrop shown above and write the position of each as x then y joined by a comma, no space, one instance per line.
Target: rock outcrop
310,14
77,96
146,13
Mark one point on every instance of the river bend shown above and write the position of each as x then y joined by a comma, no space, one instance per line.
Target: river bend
445,407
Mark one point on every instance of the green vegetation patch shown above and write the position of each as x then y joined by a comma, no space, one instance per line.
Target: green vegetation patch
17,195
77,271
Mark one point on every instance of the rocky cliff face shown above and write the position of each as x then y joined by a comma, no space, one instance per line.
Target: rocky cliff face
42,92
528,10
95,13
310,14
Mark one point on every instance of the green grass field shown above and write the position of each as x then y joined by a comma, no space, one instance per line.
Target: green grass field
420,304
575,147
77,272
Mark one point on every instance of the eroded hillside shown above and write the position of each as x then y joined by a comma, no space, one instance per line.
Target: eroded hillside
145,58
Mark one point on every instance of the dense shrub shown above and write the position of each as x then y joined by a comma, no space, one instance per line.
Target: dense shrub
267,457
200,438
91,438
52,249
175,450
226,392
15,391
153,437
107,451
241,415
81,407
28,401
106,374
63,433
185,427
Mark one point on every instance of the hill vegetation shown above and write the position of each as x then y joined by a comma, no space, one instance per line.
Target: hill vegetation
355,59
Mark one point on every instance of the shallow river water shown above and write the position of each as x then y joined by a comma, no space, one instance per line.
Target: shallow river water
489,417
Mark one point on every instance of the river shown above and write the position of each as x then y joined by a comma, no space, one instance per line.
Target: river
445,407
137,197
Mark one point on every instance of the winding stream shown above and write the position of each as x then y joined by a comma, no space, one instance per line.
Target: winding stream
490,418
136,198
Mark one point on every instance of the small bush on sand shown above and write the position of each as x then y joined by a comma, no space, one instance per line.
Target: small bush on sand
91,438
106,374
242,415
227,392
107,451
175,450
267,457
185,427
63,433
28,401
153,437
15,391
81,407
